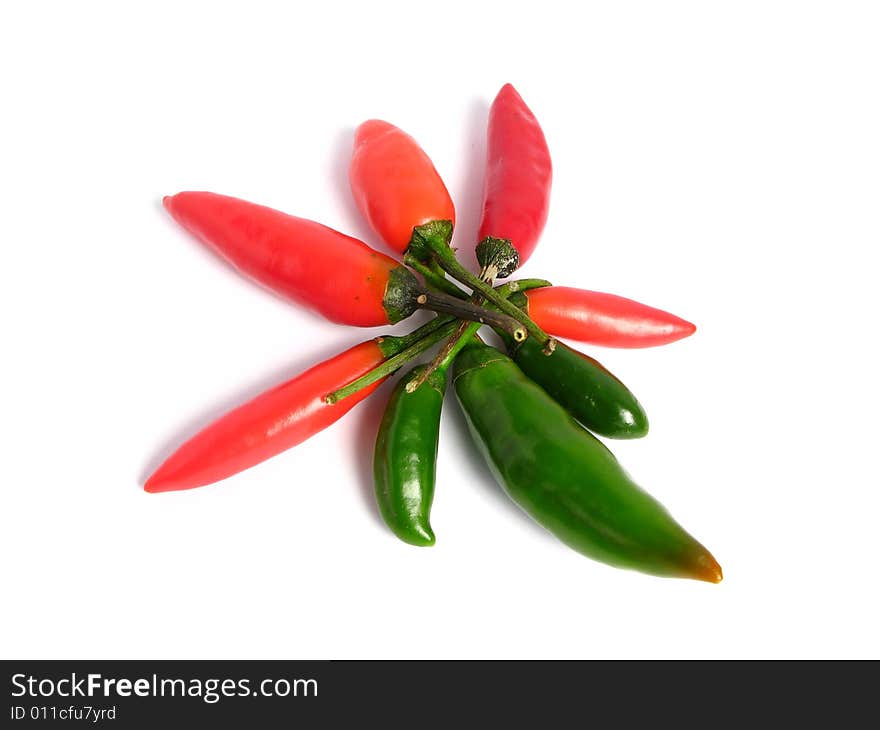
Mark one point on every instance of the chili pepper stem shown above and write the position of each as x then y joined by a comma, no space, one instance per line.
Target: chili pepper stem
466,330
393,344
446,258
454,344
446,354
390,365
438,302
522,285
511,287
467,334
432,278
410,346
439,281
488,273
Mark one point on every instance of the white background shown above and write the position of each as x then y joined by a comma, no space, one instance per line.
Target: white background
719,160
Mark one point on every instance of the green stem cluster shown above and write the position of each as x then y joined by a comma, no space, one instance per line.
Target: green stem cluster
399,350
430,255
429,250
446,258
387,367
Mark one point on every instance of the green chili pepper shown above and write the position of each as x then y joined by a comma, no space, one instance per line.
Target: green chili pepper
581,385
405,459
565,478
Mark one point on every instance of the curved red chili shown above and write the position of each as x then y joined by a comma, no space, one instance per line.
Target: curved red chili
272,422
336,275
395,184
602,319
519,174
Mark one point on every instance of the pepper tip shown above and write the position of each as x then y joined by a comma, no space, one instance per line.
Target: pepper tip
158,482
420,535
370,129
707,569
151,486
508,90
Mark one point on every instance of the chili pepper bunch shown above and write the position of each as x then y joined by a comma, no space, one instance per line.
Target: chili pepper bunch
533,405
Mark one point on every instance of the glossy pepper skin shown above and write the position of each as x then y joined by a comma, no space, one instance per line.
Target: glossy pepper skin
581,385
566,479
601,319
519,174
336,275
405,458
272,422
395,184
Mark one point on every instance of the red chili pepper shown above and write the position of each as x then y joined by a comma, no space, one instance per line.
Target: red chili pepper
336,275
602,319
271,423
516,192
395,184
